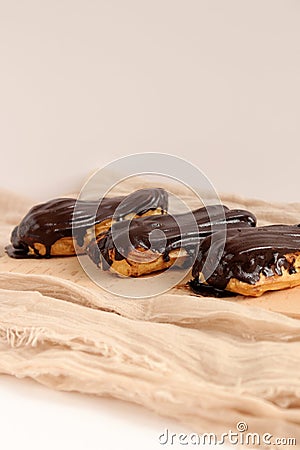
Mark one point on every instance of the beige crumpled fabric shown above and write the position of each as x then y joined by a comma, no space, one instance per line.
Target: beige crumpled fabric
209,363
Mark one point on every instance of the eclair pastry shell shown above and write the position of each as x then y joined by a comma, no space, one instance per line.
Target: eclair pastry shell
272,283
68,246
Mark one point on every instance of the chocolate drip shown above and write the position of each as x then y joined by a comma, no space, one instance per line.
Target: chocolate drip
178,231
248,253
48,222
209,291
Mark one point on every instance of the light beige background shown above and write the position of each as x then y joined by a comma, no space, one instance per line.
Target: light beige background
218,82
83,82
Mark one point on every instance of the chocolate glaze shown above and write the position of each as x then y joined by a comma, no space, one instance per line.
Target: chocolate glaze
248,253
179,231
209,291
48,222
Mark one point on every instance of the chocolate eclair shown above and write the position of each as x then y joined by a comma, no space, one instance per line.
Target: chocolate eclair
253,261
62,226
150,244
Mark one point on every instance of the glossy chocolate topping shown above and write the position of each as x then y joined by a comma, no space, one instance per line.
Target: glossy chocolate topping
248,253
178,231
48,222
209,291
